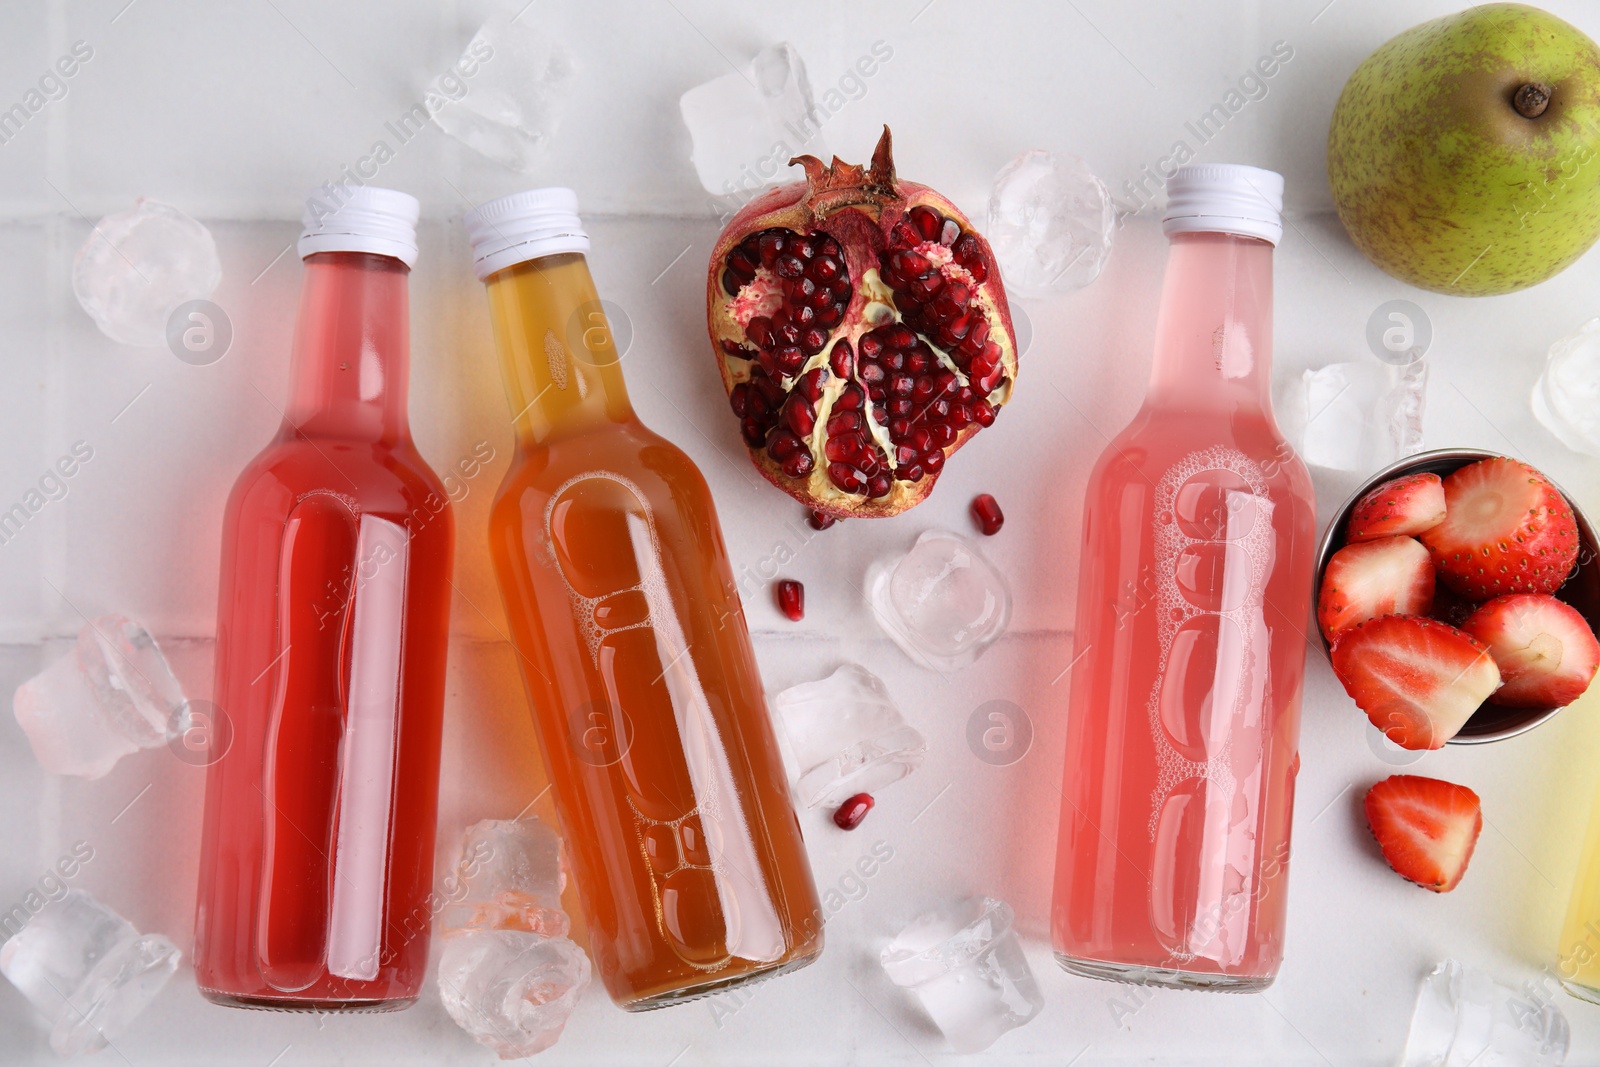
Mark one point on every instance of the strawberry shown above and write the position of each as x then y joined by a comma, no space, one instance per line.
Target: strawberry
1418,680
1406,505
1389,576
1545,650
1506,529
1425,827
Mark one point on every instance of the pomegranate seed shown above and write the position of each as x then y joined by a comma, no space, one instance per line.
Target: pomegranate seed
820,520
798,416
846,477
792,599
842,360
852,811
781,444
951,231
770,244
927,221
986,512
799,465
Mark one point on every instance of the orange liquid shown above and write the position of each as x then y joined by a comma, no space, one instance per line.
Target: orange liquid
666,775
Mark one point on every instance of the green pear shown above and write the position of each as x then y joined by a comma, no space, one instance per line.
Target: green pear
1465,153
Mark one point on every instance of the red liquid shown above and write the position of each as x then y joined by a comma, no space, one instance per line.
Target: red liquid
332,623
1190,642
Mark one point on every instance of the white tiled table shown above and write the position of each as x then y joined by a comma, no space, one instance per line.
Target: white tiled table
232,113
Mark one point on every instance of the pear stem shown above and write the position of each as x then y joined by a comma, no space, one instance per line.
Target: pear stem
1531,100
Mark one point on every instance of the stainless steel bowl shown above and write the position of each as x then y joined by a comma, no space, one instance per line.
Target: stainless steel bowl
1490,722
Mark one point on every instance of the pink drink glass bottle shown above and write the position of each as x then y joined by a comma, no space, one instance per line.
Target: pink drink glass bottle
316,864
1193,595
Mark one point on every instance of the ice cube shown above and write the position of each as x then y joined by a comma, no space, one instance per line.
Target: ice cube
746,125
138,265
1465,1017
508,975
1566,398
511,990
941,602
86,970
511,105
966,967
843,735
1355,416
510,878
1050,222
112,695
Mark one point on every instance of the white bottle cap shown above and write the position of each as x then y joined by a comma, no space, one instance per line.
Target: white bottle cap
1225,198
361,219
524,226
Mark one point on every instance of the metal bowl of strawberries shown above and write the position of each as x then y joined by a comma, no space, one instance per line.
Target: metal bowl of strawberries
1458,597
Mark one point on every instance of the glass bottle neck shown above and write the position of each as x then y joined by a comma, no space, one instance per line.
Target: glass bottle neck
1214,329
352,349
562,371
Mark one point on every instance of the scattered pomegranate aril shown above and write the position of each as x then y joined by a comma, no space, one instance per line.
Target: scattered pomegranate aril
987,514
792,598
874,302
820,520
852,811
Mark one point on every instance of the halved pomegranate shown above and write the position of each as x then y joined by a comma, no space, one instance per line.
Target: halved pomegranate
863,334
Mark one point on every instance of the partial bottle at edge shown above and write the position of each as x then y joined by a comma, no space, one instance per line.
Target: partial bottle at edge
685,849
1190,638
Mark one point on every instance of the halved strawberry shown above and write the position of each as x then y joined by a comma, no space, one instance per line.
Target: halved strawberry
1389,576
1425,827
1418,680
1406,505
1546,652
1506,529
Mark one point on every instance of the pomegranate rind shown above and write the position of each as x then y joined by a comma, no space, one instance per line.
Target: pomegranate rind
858,213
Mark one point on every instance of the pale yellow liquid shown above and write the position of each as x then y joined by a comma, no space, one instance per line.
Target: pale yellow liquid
1578,954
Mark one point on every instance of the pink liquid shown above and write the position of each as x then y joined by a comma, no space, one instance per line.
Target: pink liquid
333,613
1190,644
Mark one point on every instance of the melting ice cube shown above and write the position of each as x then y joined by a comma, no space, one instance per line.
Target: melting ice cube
138,265
1467,1018
112,695
1566,398
508,975
942,602
511,990
844,735
1355,416
966,967
746,125
1050,222
510,878
511,105
86,970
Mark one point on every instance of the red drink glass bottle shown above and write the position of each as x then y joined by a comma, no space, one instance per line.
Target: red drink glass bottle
332,624
1193,594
